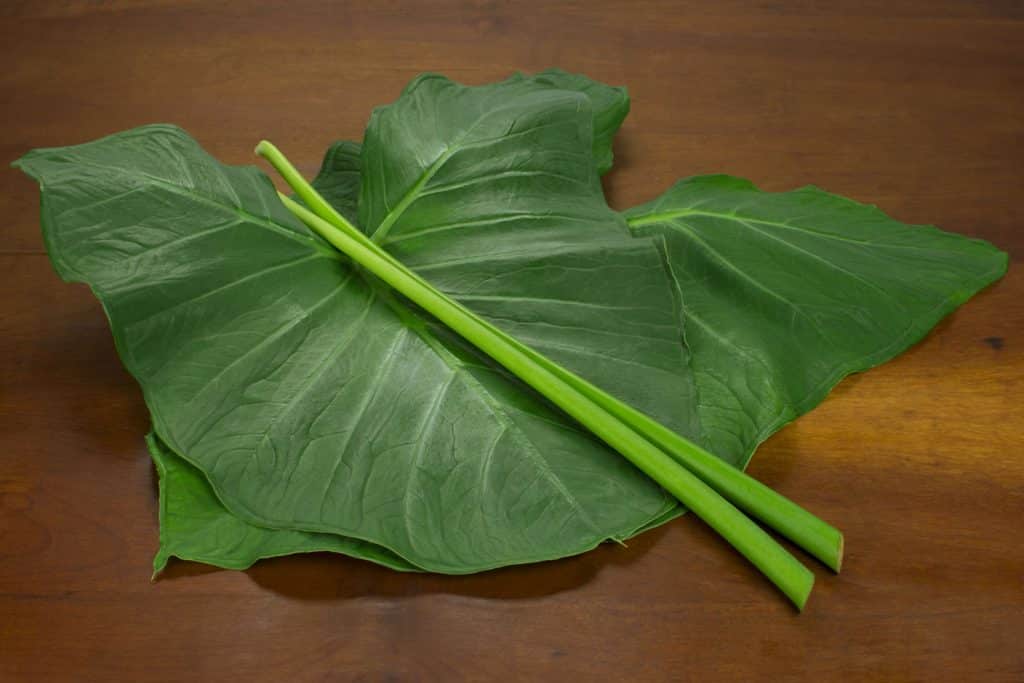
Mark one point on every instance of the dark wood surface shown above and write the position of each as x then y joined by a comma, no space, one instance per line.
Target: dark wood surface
916,106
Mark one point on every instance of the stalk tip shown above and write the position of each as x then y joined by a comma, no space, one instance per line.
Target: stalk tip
263,148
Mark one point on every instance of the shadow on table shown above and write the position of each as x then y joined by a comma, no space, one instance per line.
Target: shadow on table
330,577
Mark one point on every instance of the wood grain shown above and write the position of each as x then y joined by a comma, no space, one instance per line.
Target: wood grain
916,106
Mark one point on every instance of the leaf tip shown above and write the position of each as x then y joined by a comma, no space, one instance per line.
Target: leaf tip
159,564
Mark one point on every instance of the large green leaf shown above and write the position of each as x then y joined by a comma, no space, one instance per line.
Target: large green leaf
314,401
783,294
194,525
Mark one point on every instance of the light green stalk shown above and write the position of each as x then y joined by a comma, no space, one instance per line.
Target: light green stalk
615,423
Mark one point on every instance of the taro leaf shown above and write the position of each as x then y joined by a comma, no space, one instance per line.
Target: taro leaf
783,294
195,526
311,400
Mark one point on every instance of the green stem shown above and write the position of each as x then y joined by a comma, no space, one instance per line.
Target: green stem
814,535
779,566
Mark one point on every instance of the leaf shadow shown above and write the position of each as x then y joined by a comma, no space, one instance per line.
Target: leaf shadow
325,577
183,569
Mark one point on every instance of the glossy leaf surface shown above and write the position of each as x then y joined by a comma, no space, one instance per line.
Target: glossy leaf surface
783,294
314,401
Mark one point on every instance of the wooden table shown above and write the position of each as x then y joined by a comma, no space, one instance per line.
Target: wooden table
915,106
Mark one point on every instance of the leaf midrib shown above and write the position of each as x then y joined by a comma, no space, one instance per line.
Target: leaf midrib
668,217
384,227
